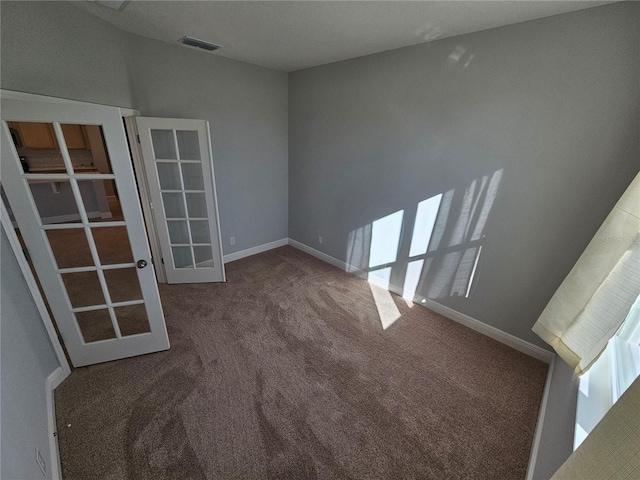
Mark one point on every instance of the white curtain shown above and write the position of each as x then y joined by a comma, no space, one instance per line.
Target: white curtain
594,299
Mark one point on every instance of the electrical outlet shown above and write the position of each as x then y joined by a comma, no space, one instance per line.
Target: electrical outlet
232,241
319,238
40,462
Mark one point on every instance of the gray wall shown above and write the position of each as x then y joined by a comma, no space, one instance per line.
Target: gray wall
246,106
57,49
551,104
26,359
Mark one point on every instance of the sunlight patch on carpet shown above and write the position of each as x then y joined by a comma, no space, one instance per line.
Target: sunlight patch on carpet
387,309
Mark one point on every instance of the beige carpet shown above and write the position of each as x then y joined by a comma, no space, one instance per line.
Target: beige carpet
285,372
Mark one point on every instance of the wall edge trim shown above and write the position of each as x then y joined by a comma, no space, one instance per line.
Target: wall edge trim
54,379
231,257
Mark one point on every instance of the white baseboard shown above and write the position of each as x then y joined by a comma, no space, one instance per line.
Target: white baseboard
255,250
322,256
492,332
54,379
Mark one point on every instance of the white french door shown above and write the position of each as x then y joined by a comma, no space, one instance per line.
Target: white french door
178,166
91,257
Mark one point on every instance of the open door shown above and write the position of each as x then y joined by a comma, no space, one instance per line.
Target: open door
178,166
104,299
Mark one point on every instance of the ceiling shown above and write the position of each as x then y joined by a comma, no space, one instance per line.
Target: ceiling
291,35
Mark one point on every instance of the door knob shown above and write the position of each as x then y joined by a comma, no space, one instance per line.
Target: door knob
141,263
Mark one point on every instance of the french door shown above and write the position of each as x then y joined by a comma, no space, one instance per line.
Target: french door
83,226
178,166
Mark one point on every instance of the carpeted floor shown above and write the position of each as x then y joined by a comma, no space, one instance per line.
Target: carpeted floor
285,372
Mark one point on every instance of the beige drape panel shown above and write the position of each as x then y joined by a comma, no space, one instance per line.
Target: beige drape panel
612,449
596,296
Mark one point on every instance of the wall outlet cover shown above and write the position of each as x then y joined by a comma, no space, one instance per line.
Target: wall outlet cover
319,238
232,240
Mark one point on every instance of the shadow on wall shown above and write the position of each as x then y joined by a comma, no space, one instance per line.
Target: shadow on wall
442,258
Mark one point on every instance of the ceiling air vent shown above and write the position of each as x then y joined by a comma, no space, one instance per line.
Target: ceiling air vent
194,42
114,4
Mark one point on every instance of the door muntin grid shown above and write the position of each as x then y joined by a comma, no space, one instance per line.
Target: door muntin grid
185,205
94,264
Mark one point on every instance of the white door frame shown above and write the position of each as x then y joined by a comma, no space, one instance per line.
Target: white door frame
9,229
145,196
143,187
33,287
12,95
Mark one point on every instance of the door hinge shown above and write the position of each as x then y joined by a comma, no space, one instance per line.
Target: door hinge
138,137
162,260
25,250
61,340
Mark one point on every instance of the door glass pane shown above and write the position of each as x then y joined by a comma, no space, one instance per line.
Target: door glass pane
196,205
173,205
81,152
182,257
192,176
169,176
95,325
83,289
87,149
123,284
70,247
74,136
188,145
164,146
37,147
96,202
200,231
55,201
178,232
113,245
203,257
132,319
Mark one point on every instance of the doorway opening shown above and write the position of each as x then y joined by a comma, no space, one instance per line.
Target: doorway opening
69,178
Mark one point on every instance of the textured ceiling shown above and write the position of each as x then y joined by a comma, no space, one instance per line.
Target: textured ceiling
290,35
